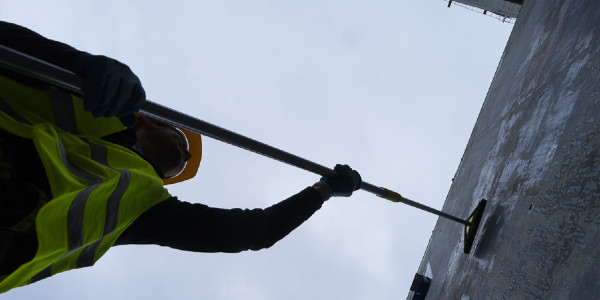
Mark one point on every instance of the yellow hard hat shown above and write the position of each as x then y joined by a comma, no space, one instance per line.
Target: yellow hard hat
195,148
194,141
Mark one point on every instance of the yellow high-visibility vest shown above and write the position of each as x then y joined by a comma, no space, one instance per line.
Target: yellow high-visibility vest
97,188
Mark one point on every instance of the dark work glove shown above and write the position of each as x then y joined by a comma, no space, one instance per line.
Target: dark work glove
343,184
110,88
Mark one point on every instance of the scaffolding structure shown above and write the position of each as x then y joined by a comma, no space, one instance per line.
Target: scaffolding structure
502,10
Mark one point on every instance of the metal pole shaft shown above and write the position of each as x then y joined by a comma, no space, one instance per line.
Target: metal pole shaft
182,120
179,119
32,67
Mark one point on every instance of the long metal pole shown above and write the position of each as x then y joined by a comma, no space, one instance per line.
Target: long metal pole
35,68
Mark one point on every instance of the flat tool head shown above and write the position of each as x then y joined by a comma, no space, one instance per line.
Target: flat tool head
471,228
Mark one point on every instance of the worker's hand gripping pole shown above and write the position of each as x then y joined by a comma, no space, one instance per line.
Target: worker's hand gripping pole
32,67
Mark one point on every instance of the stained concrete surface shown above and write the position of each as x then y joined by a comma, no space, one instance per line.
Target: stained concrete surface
534,154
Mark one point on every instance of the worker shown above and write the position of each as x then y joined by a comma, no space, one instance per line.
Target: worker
80,176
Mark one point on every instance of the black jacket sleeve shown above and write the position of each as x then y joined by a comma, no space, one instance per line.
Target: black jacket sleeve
199,228
29,42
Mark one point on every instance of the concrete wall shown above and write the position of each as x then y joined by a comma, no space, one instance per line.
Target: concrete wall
534,154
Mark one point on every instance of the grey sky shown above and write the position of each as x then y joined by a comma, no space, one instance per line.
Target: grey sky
392,88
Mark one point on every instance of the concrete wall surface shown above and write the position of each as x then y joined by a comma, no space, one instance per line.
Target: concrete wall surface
534,154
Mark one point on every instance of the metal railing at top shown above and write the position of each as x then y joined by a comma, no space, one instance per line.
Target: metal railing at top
499,17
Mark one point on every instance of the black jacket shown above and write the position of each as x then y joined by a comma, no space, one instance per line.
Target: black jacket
175,223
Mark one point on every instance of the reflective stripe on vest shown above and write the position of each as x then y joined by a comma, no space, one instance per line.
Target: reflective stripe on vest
98,188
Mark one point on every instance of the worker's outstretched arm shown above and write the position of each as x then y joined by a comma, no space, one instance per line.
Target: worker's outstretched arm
197,227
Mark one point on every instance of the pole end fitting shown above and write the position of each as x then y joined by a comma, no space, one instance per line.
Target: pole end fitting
391,196
471,228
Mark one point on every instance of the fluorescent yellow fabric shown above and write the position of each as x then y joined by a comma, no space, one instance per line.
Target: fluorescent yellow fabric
98,188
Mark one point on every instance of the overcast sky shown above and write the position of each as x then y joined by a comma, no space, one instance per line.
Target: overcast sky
392,88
